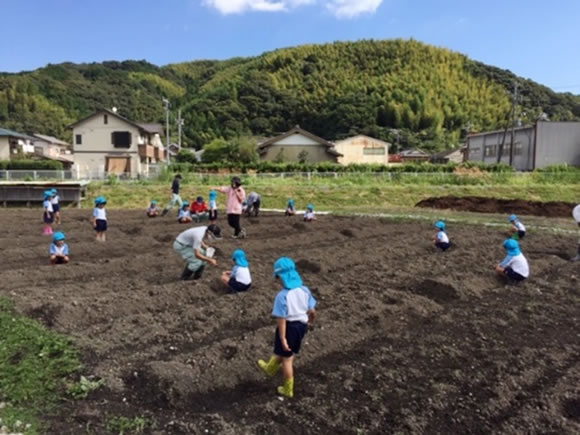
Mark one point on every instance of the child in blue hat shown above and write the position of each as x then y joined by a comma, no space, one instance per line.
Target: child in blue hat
153,210
576,216
290,210
518,229
59,253
309,215
213,210
515,266
184,216
441,239
294,311
47,213
239,279
100,218
55,200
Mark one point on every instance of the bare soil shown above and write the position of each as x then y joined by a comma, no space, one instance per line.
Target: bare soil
493,205
408,340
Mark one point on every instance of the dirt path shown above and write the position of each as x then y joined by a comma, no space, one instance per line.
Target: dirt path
408,340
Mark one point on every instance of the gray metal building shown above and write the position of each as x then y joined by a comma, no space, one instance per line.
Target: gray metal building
535,146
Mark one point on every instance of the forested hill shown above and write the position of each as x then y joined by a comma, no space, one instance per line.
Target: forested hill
397,90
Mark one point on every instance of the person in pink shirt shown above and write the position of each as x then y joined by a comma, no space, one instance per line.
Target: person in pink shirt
235,197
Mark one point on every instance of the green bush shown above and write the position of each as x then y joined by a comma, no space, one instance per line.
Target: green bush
46,165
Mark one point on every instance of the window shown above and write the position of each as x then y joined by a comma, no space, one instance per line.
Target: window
121,139
79,139
106,119
367,151
490,150
518,149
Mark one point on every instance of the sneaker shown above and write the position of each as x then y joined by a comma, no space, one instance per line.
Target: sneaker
243,234
164,213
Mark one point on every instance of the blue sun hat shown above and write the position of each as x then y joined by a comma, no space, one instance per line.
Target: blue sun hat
441,225
185,204
310,207
58,236
291,203
212,195
54,191
513,218
512,247
239,256
286,269
153,202
47,194
100,200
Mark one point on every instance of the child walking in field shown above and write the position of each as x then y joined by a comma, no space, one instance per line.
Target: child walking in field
100,218
235,198
576,215
239,279
309,215
294,311
441,239
47,213
515,266
59,253
290,210
175,198
55,200
518,228
184,216
153,210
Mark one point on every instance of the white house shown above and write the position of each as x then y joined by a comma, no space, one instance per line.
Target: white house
13,144
49,147
107,143
362,149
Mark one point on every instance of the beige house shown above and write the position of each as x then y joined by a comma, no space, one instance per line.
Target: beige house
449,156
362,149
107,143
298,145
51,148
14,144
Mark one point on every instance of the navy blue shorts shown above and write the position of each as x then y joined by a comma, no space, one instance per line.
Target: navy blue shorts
56,207
238,287
48,217
101,225
511,274
213,215
295,332
443,246
521,234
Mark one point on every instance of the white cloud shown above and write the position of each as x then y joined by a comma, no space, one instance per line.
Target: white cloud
352,8
339,8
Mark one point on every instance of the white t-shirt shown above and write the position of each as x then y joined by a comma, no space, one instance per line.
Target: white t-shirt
192,237
309,215
518,263
48,206
55,199
242,275
520,226
184,213
576,213
212,204
100,214
442,237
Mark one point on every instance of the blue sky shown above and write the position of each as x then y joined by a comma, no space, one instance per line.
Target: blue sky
535,39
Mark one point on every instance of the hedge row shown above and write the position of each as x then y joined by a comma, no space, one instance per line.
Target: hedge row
40,165
269,167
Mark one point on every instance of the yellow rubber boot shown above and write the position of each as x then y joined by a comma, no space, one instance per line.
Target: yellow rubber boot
287,390
271,367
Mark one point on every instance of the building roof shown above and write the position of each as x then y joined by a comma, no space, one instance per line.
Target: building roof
483,133
152,127
414,152
147,128
50,139
297,130
4,132
387,144
57,158
446,153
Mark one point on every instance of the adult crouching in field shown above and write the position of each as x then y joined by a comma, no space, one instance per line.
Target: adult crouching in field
576,215
175,198
191,246
253,204
235,195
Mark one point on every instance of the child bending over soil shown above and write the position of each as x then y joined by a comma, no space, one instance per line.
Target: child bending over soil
290,210
294,311
184,216
153,210
576,215
515,266
59,249
309,215
518,231
239,279
441,239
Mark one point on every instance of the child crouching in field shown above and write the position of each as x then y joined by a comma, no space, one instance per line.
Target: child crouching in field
184,216
515,266
309,215
199,210
576,215
239,279
294,311
441,239
518,231
153,210
290,210
100,218
59,253
47,213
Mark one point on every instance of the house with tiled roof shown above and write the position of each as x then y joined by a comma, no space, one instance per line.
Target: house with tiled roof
13,143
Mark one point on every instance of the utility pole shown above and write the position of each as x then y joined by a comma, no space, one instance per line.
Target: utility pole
515,105
180,124
510,118
166,103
